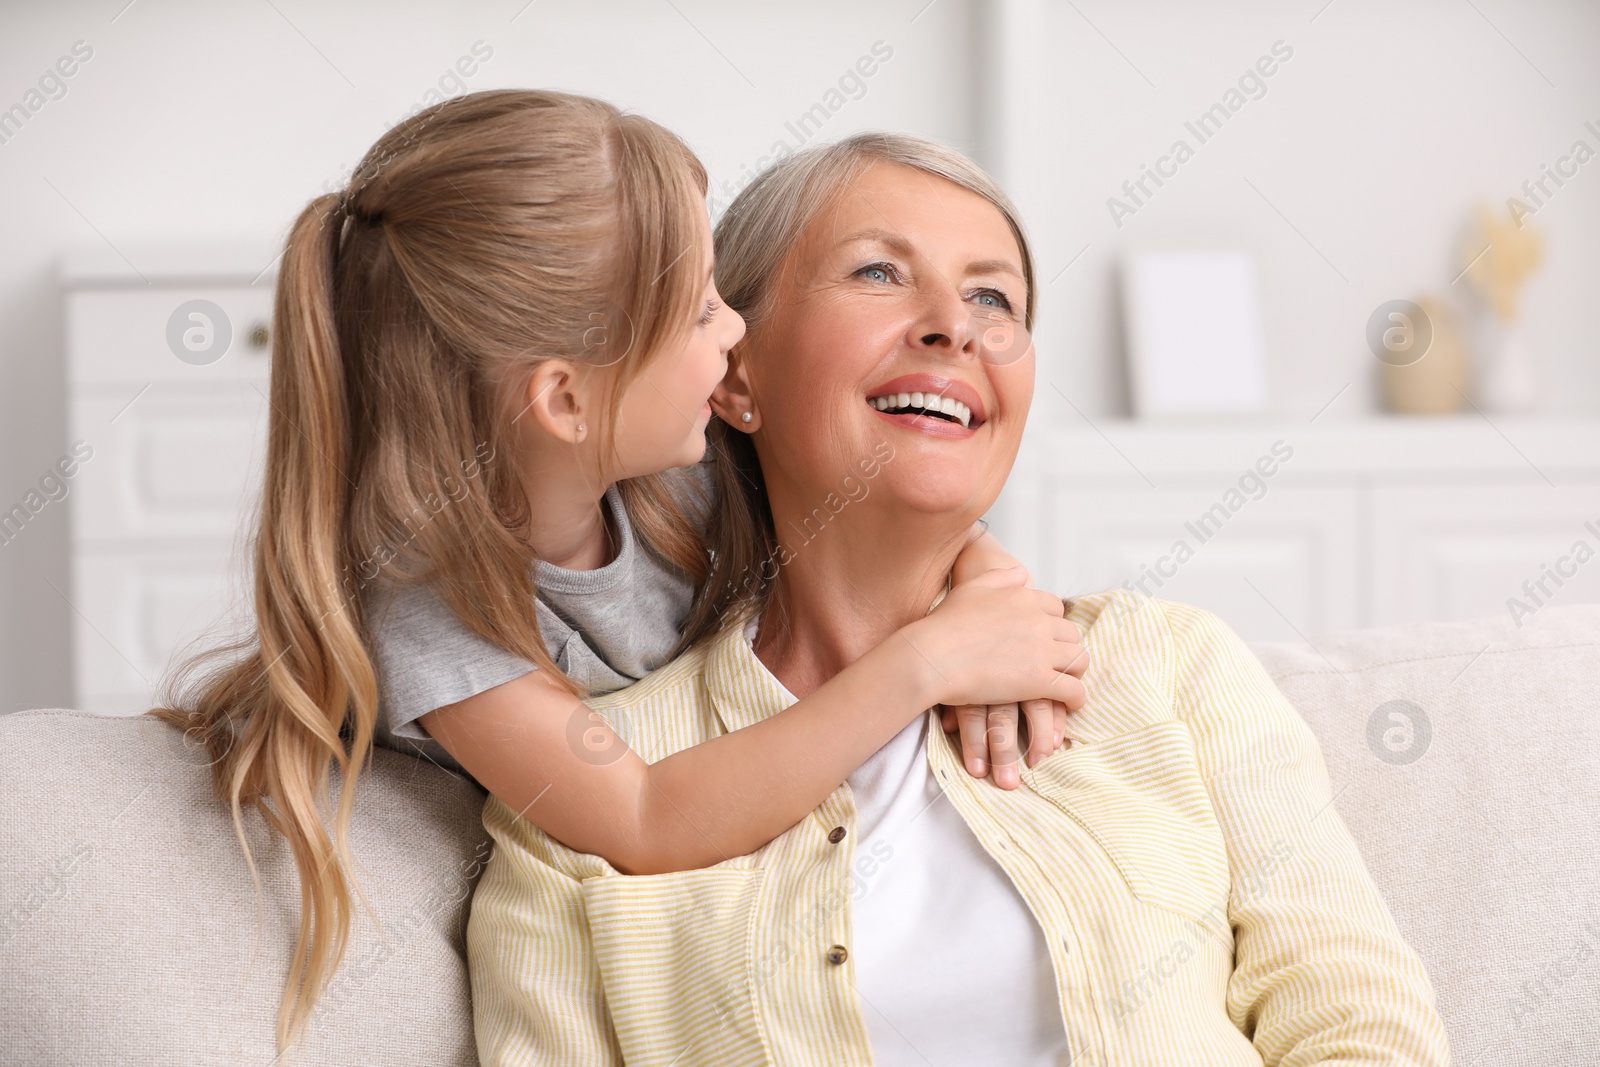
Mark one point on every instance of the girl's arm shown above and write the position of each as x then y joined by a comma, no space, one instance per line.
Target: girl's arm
991,640
992,730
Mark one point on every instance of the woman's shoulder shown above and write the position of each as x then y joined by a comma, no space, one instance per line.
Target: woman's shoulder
668,686
1122,614
1145,650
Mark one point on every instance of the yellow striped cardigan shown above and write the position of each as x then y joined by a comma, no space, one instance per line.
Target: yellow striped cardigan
1202,901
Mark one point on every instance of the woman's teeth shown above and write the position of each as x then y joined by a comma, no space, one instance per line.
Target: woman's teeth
924,404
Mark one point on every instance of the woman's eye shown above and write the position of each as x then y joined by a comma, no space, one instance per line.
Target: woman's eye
995,299
709,313
878,272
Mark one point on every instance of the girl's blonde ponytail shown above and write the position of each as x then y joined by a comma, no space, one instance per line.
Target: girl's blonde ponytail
477,237
304,696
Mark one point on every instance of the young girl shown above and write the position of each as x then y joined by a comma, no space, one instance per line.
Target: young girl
491,367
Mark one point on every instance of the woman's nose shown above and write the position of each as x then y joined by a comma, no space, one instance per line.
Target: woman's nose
946,323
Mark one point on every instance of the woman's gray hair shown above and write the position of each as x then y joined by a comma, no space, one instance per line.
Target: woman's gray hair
767,218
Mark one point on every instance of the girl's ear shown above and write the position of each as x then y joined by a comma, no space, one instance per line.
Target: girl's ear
555,399
732,399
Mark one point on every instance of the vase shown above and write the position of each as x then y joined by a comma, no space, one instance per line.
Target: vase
1506,382
1435,383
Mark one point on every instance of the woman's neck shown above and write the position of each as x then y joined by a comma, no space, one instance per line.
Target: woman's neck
858,580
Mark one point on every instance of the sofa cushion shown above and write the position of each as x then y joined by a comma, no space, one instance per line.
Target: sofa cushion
1465,760
129,923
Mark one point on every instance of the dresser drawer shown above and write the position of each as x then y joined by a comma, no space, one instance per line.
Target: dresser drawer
178,463
1278,566
1459,552
136,610
129,336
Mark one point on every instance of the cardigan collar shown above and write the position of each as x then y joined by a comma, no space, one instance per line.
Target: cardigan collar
742,690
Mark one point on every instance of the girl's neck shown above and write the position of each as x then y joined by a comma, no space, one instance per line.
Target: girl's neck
860,579
569,524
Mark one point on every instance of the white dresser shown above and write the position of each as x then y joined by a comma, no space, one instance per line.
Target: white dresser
156,512
1366,523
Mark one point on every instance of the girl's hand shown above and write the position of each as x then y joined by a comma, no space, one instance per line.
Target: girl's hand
982,553
995,640
989,733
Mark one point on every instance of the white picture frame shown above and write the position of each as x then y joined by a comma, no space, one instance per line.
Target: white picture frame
1194,337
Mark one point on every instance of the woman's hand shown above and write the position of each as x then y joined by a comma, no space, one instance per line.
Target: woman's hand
989,733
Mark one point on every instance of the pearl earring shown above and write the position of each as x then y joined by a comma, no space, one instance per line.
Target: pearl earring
580,428
747,417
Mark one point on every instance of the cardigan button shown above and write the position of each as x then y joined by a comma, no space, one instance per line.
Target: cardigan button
835,835
837,955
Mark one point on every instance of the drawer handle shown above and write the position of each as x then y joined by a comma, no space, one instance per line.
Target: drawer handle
259,337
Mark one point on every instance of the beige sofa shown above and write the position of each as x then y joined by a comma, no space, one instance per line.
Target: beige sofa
130,930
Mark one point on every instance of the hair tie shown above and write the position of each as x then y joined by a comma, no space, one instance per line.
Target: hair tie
346,208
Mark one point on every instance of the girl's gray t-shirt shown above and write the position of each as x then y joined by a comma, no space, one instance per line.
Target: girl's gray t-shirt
605,629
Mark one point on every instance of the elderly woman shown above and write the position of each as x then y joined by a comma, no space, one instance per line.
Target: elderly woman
1172,888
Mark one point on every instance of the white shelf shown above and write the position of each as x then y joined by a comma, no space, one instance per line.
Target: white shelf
245,260
1385,446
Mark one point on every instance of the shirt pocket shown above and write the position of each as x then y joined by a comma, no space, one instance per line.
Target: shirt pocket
676,955
1141,796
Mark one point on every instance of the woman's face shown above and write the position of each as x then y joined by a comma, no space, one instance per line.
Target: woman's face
897,329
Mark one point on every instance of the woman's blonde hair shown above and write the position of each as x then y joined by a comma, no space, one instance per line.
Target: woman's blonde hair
476,238
754,239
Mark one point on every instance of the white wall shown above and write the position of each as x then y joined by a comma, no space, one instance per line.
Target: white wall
196,122
1373,140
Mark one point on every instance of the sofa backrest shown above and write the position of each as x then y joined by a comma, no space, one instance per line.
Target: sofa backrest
130,930
1465,760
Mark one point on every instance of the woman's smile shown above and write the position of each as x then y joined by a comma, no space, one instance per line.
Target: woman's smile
930,404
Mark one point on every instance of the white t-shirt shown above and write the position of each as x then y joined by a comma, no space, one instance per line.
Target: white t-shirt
951,967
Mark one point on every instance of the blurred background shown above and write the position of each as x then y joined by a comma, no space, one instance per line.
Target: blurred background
1317,332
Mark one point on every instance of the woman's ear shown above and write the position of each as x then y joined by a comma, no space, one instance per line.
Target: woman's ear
555,399
732,399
